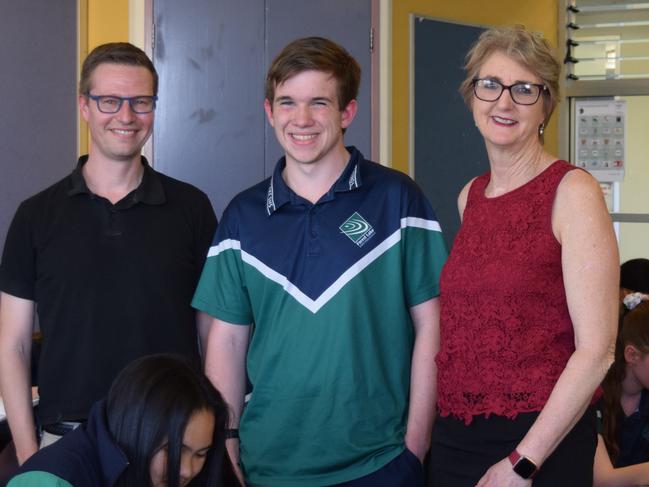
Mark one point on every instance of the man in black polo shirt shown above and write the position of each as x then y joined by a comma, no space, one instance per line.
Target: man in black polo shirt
109,256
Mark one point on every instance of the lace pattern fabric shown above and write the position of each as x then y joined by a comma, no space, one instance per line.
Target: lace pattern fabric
506,333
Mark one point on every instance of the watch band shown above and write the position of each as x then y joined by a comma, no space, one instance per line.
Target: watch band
522,465
231,433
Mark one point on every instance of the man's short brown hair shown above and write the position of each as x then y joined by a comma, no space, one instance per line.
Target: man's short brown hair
316,54
115,53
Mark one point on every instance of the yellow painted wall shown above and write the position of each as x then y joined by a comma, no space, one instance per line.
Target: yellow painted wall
538,15
107,22
634,237
100,21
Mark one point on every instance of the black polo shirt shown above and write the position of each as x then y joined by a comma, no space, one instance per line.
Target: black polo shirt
111,282
633,436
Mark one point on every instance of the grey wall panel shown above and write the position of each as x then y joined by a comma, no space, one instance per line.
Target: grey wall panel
212,57
38,127
347,22
449,150
209,127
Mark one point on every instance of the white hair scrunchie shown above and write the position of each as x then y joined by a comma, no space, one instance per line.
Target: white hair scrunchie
634,299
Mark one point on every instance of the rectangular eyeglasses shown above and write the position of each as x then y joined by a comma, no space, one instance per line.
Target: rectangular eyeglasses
489,89
113,104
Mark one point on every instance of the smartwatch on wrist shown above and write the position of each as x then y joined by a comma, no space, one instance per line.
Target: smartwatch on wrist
523,466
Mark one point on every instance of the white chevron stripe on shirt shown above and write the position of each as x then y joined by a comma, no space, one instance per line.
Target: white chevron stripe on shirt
355,269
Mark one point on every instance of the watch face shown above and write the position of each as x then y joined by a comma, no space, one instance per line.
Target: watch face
525,468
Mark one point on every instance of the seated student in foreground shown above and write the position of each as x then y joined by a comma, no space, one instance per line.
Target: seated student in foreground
622,456
163,424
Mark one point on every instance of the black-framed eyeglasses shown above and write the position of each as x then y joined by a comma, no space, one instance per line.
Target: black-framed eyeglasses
113,104
488,89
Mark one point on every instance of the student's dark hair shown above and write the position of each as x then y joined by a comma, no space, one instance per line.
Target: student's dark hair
316,54
150,403
115,53
633,330
634,275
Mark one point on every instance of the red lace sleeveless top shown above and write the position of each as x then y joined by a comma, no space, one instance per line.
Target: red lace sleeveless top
506,334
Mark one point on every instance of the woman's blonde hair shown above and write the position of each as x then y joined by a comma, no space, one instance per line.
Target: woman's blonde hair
526,48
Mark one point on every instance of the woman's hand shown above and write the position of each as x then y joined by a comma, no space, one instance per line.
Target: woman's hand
502,475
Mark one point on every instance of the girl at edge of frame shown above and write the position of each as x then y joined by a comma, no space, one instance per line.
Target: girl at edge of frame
622,456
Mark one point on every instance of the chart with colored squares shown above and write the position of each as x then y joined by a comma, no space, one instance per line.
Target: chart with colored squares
600,138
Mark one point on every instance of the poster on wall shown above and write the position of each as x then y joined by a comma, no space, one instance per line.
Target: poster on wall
600,138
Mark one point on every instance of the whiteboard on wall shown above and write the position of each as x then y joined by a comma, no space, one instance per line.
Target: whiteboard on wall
448,149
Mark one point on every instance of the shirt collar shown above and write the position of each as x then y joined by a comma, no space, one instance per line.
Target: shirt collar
149,191
112,459
279,193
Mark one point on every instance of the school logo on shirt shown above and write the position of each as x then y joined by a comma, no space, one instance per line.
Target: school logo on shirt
357,229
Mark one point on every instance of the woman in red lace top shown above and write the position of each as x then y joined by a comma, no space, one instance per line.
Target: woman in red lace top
529,292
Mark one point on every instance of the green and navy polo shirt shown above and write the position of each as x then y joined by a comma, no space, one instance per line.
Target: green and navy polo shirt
328,287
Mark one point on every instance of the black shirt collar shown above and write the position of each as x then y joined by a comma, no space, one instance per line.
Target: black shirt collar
279,193
150,190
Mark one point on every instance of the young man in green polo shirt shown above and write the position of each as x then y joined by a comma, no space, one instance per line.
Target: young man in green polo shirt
336,260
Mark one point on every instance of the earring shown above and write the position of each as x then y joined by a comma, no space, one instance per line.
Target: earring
541,128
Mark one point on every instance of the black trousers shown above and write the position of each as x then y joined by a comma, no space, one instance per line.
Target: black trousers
460,454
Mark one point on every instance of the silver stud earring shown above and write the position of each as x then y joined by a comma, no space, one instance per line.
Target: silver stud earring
541,128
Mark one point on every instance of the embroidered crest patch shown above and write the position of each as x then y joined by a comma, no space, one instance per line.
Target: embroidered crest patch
357,229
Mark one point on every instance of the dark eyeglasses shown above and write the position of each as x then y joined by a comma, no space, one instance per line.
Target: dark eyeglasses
488,89
113,104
